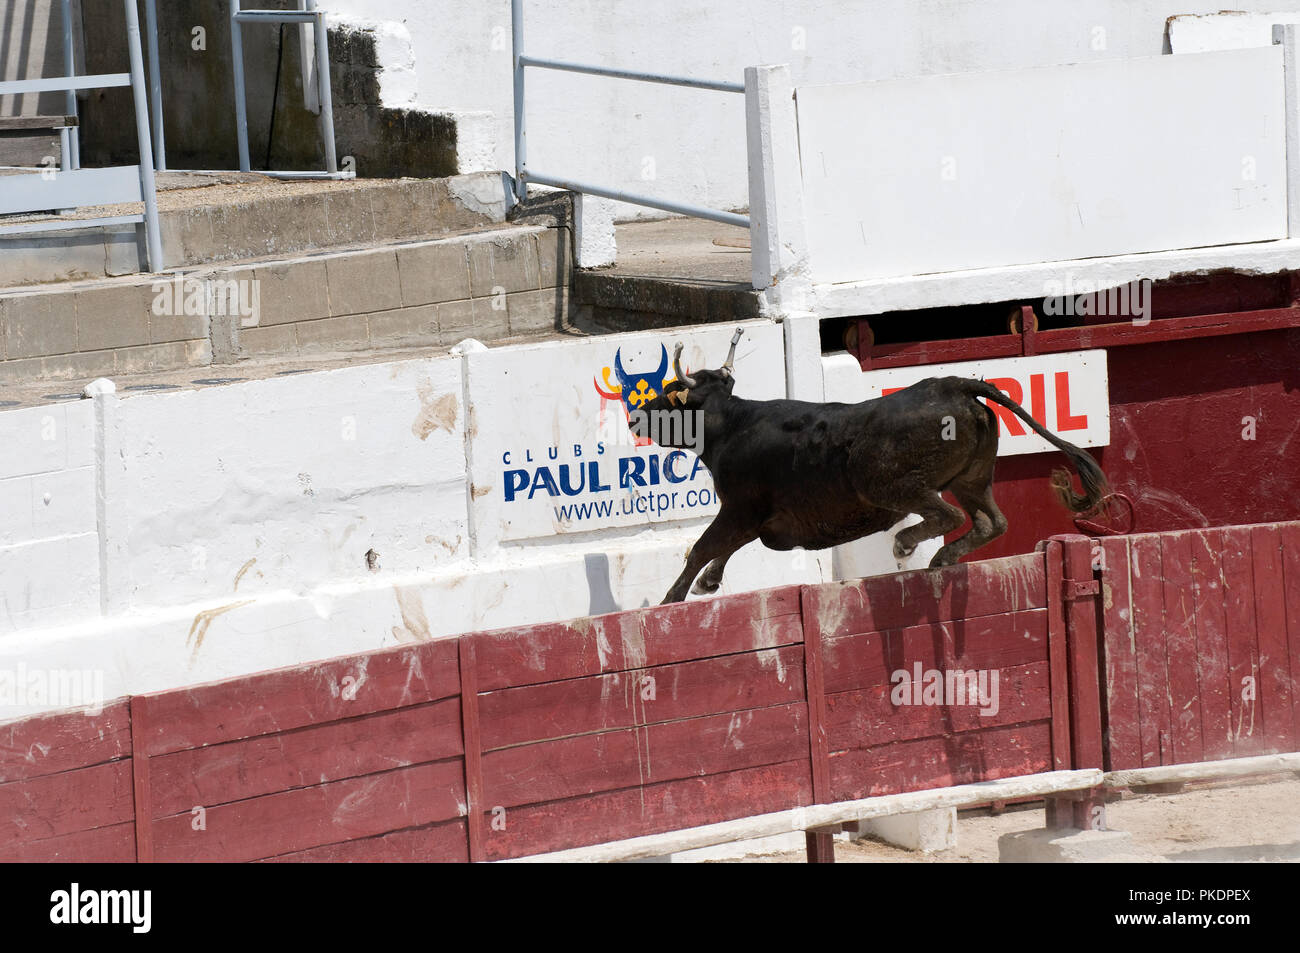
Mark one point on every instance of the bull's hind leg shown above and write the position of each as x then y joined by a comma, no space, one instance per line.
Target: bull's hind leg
987,523
938,518
711,579
723,537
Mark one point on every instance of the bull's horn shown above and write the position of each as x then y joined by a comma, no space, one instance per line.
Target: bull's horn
686,380
731,355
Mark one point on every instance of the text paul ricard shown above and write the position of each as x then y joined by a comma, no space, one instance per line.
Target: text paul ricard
614,473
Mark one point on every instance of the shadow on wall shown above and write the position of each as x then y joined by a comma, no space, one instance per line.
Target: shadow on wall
199,103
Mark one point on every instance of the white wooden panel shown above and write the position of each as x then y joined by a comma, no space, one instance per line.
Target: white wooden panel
1230,30
978,170
40,191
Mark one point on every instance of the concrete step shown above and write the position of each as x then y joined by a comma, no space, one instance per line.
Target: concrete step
231,216
669,273
504,281
639,302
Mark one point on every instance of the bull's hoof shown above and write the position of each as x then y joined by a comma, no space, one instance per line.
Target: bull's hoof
706,587
943,558
901,551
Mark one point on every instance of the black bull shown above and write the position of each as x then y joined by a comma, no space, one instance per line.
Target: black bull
797,474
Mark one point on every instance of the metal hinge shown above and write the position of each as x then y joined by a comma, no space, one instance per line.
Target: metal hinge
1072,589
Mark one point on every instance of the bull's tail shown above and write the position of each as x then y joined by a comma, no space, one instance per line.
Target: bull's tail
1095,485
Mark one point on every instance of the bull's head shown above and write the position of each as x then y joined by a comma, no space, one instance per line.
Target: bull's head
662,419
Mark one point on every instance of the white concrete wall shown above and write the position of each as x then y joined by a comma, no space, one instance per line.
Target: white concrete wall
49,542
286,483
950,173
167,539
606,130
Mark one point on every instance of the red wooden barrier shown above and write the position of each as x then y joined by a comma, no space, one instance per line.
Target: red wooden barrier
501,744
1201,632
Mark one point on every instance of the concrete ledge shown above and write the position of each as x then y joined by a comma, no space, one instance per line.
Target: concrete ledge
627,302
1072,847
508,281
926,832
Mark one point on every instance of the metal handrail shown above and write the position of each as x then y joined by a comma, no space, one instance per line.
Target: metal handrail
719,85
523,175
136,80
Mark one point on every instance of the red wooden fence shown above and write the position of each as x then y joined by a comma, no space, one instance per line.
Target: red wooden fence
1202,644
502,744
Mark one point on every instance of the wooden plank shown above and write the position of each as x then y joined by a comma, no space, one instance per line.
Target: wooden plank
1125,333
821,847
1058,658
1083,648
289,698
1211,644
1239,620
821,815
57,804
303,818
114,844
996,641
443,843
1291,580
141,785
48,744
1123,733
639,639
15,123
652,809
1206,770
572,767
965,591
1149,645
218,774
472,741
939,762
1271,638
818,741
868,718
540,712
1184,686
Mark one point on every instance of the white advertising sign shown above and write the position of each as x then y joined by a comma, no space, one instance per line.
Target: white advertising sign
1068,393
550,448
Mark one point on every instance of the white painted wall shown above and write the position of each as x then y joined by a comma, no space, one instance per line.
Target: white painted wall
605,130
206,534
950,173
49,542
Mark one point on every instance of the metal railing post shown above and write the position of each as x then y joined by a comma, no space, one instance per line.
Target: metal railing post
323,86
153,236
70,138
241,107
155,86
517,51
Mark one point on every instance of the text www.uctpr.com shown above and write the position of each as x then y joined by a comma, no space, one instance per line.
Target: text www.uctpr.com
637,504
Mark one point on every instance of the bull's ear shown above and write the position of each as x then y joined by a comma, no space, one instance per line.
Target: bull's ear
678,396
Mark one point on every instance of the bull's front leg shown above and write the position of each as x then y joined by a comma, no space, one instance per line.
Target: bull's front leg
723,537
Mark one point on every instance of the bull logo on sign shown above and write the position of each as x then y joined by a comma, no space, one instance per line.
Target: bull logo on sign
636,389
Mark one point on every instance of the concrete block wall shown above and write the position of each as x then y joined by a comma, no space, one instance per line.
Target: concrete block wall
95,330
506,282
